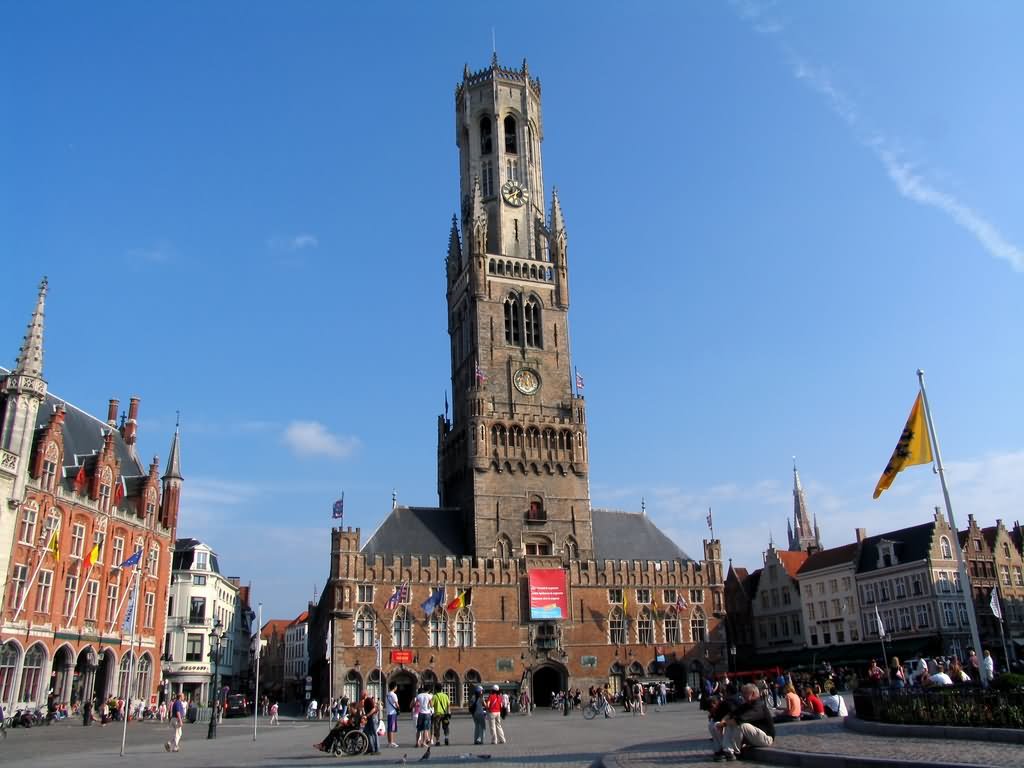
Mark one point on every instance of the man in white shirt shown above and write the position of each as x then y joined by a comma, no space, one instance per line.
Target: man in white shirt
988,668
424,710
940,677
392,712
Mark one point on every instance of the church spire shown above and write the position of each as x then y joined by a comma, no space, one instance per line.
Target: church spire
30,356
174,459
803,534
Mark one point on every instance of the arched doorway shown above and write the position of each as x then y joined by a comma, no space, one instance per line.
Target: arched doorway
105,676
83,686
676,672
63,673
696,676
547,680
406,682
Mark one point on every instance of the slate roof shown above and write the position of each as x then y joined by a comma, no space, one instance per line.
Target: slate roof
185,553
83,435
422,531
630,536
440,532
911,544
827,558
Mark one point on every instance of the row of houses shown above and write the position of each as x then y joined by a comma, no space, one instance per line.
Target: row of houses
827,604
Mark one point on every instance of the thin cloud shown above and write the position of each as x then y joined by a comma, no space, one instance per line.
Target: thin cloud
311,438
910,184
294,243
160,253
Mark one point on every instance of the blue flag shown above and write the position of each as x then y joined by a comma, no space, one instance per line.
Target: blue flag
433,602
133,560
129,615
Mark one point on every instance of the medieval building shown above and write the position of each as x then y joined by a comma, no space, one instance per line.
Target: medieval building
514,578
76,501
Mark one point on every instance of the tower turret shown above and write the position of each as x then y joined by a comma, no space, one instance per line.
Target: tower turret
172,481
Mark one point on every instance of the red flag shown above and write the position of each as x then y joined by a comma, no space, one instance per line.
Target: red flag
119,491
81,479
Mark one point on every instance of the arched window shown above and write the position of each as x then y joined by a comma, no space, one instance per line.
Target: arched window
504,548
486,143
673,635
144,678
376,684
365,625
353,685
450,685
698,626
472,680
487,178
947,552
8,667
464,628
490,266
616,627
535,513
615,678
510,135
123,676
532,323
512,320
428,679
645,627
571,548
32,673
401,628
439,629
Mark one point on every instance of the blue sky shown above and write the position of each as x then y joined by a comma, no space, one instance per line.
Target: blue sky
776,212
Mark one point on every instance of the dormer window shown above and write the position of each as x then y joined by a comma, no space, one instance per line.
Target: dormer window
202,561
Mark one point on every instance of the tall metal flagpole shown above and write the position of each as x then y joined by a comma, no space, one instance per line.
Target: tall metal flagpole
998,611
256,692
965,584
131,658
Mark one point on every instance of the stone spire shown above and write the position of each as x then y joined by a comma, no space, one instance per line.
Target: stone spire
559,247
174,458
453,262
30,356
801,534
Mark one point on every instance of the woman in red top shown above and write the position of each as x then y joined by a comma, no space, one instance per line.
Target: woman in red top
494,702
815,708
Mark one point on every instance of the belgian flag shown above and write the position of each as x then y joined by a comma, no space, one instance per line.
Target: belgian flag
460,601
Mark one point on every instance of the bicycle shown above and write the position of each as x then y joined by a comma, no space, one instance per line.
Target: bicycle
597,707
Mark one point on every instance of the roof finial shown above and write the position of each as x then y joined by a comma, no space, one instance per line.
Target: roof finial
494,49
394,499
643,506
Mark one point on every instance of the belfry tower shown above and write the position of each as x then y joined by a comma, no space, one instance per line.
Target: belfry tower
513,456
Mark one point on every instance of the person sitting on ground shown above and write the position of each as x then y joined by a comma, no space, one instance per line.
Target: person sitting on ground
834,704
940,677
813,708
750,723
793,707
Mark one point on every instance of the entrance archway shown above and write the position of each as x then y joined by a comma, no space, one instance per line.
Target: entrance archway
83,687
104,676
62,675
676,672
406,682
547,680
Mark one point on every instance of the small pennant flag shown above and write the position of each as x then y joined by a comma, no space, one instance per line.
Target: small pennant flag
711,520
118,491
133,560
460,602
338,510
579,380
881,625
400,596
681,604
81,479
993,603
93,557
913,447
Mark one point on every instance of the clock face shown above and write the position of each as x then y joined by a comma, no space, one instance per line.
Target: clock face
526,381
514,192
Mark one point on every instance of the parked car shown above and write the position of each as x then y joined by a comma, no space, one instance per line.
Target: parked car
237,705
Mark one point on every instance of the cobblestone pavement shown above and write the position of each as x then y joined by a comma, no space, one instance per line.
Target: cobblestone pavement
827,738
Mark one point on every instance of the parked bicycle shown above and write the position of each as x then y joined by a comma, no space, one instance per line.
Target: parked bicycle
598,707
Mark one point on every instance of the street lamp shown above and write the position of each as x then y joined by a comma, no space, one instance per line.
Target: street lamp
732,653
216,635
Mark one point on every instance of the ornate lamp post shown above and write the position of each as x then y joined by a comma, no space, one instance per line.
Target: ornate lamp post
216,635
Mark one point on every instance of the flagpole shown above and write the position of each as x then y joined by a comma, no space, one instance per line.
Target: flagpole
259,646
124,599
1002,628
965,584
131,661
35,573
81,591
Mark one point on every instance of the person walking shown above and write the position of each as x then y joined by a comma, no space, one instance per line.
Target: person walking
988,668
478,710
273,714
494,716
391,709
371,712
424,710
442,714
177,720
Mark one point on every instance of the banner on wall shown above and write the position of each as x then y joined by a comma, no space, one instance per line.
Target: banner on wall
548,594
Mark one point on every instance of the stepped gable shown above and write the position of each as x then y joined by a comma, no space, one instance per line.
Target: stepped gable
420,531
826,558
631,536
911,544
792,561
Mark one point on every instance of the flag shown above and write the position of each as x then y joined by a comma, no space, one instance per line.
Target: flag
625,600
433,602
481,377
681,603
81,479
913,447
711,524
118,491
400,596
53,545
460,602
93,557
338,510
579,380
654,603
133,560
129,614
993,603
380,651
330,639
881,626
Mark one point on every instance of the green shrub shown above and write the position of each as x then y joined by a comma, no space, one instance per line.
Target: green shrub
1011,681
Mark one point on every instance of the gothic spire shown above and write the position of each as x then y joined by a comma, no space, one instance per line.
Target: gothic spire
174,458
804,534
30,356
557,221
454,244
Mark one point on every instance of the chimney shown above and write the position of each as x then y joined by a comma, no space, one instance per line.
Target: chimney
133,421
112,413
862,533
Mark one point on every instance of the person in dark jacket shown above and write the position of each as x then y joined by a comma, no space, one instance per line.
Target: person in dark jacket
749,723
